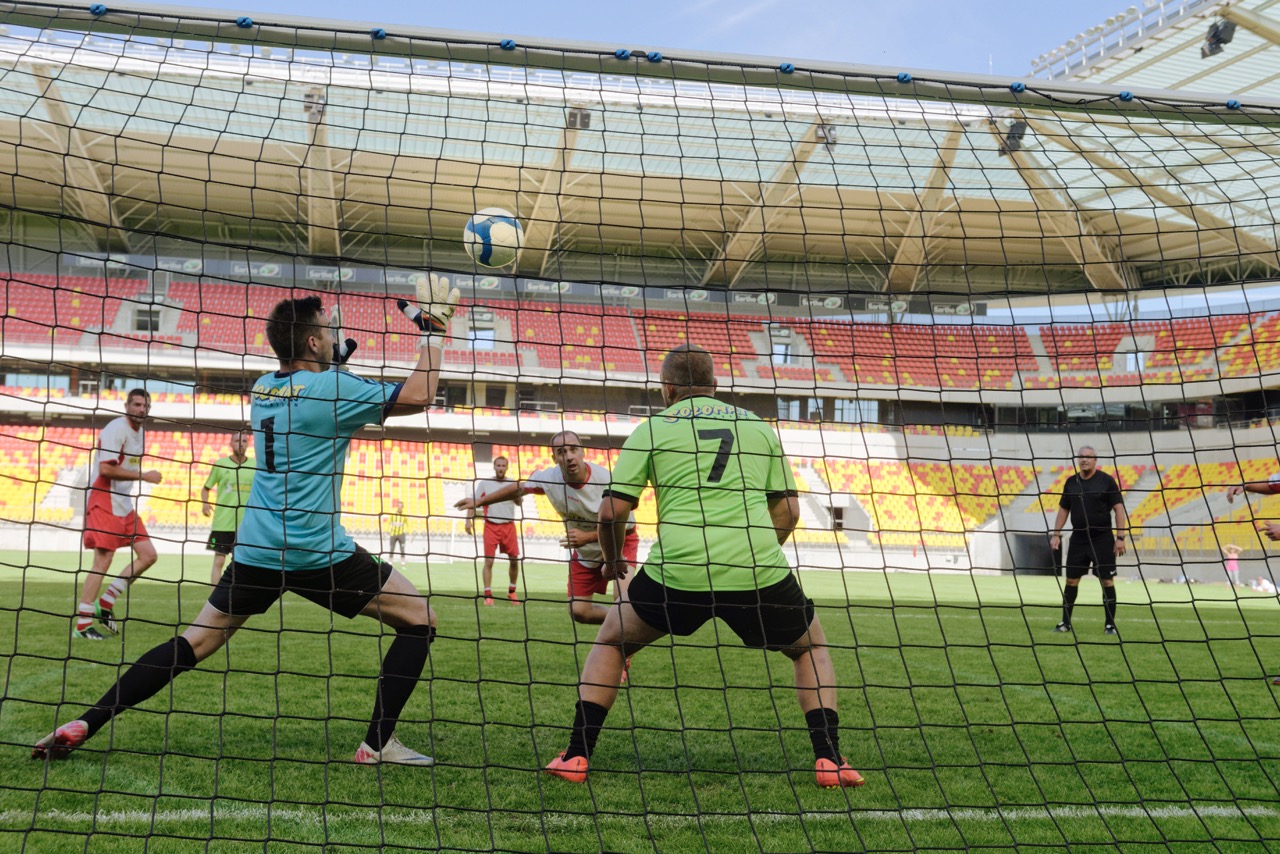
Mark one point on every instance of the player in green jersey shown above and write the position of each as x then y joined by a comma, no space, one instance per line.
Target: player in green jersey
232,479
726,502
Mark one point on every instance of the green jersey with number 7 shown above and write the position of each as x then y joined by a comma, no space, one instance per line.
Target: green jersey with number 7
714,468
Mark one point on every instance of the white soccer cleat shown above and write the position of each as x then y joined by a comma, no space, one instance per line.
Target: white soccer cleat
392,753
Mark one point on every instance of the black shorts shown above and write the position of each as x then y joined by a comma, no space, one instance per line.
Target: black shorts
221,542
397,540
1091,550
344,588
773,617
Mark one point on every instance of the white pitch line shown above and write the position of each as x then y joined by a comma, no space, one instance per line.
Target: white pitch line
376,816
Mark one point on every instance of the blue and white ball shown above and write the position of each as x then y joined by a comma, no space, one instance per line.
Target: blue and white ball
493,237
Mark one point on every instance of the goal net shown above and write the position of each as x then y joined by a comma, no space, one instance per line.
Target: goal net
937,290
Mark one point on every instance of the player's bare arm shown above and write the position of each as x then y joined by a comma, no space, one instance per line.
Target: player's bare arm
612,532
505,493
433,314
1055,541
1258,487
784,510
1122,529
575,538
114,471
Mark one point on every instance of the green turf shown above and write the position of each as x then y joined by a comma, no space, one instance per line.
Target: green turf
975,726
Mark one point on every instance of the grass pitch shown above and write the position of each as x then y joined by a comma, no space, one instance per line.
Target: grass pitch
975,726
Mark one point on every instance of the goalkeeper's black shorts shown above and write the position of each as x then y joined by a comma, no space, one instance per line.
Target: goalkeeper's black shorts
344,588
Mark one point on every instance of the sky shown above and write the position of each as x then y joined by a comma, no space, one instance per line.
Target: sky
971,36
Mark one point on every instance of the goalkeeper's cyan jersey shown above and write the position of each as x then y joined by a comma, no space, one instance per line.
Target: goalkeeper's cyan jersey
302,427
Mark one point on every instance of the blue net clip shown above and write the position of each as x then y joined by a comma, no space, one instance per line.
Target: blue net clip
507,44
653,56
244,22
1017,88
378,33
904,77
97,9
787,67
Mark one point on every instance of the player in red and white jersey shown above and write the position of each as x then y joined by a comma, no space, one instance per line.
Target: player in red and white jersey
499,530
574,487
111,520
1270,486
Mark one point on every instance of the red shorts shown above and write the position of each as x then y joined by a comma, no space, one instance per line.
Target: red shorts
585,582
501,537
105,530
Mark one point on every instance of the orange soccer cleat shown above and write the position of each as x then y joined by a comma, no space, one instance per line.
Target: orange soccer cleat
831,777
574,770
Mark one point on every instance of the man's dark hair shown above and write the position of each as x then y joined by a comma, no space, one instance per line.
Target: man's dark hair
290,324
689,367
137,392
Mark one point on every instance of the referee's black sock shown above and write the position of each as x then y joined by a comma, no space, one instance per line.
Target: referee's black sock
1109,604
1069,594
588,720
156,668
401,668
824,732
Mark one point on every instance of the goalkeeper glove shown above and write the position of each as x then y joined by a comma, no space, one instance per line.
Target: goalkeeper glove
434,309
343,348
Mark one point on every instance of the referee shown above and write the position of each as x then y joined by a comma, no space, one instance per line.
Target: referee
1090,497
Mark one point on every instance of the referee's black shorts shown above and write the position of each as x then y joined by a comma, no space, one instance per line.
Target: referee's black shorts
1091,549
772,617
344,588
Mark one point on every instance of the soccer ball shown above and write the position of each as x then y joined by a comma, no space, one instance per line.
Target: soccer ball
493,237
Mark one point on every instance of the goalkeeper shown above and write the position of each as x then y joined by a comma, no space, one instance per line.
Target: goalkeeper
303,417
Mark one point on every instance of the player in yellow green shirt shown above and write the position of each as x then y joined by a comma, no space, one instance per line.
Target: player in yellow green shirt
727,501
232,478
397,526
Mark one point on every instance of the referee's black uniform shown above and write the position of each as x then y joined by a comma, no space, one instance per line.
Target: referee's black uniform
1093,542
1090,502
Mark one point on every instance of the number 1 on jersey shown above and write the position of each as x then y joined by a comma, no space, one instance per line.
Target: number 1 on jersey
722,454
269,440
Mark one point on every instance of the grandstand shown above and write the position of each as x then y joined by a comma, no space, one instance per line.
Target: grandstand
935,288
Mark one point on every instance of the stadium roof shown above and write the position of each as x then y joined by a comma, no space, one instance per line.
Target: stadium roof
1162,46
161,125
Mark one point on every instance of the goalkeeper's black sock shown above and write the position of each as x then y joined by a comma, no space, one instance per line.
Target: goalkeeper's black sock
1109,604
1069,594
824,732
588,720
401,668
156,668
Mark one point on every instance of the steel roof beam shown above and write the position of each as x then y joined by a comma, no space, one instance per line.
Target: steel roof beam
1229,234
748,236
1095,253
912,250
90,190
544,220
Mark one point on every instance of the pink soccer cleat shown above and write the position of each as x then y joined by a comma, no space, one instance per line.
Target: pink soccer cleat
60,742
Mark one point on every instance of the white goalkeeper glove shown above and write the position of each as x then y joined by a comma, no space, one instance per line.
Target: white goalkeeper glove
434,310
343,347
